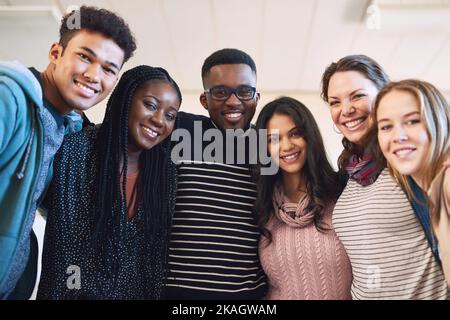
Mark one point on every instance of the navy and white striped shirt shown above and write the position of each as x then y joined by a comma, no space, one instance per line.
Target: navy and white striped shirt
213,252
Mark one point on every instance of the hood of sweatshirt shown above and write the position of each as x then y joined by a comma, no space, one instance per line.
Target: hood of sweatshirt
24,78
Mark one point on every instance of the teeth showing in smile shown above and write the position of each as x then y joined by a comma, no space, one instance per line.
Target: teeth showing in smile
150,132
403,152
86,89
234,115
354,123
290,157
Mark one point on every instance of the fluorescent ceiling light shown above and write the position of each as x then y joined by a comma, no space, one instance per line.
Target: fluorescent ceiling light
409,15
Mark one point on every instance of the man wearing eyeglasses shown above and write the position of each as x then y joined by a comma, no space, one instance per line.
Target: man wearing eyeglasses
230,107
213,252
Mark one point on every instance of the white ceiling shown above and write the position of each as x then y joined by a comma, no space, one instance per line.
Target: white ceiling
292,41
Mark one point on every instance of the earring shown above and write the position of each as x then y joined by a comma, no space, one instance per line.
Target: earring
335,129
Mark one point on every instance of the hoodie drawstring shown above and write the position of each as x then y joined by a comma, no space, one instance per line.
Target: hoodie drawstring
21,173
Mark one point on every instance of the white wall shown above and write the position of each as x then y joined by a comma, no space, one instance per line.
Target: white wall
39,229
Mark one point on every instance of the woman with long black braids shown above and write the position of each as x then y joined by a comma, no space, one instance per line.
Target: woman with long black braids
111,201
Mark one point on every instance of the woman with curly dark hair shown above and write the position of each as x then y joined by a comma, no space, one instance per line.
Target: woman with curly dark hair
299,251
111,200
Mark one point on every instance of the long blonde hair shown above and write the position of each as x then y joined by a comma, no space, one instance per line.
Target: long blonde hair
435,112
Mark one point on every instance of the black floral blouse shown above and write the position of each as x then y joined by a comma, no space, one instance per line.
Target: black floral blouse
133,267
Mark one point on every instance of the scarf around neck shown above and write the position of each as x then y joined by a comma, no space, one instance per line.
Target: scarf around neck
293,214
363,170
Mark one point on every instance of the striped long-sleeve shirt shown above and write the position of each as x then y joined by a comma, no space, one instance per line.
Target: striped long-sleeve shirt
386,244
213,252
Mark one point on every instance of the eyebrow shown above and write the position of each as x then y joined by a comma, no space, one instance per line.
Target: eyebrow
159,101
404,116
351,93
92,52
151,96
293,129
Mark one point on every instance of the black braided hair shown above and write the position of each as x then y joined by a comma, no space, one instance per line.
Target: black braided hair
156,170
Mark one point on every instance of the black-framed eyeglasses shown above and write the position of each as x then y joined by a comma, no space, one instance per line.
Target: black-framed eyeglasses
222,93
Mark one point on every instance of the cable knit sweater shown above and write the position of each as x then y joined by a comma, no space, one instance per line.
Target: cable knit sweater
302,263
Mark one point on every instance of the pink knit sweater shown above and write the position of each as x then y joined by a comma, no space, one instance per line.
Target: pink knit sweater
303,263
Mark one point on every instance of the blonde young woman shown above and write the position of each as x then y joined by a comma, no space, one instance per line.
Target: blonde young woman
413,122
384,235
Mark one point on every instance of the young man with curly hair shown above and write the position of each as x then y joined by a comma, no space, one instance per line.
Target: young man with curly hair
36,111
